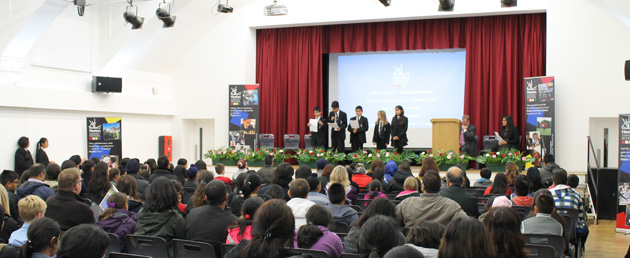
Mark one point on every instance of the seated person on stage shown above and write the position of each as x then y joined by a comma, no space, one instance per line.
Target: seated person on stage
543,223
484,181
509,133
298,191
467,134
341,213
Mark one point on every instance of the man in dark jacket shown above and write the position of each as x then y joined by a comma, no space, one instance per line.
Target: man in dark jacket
454,191
191,185
198,225
162,170
549,164
397,183
132,167
35,184
266,172
67,207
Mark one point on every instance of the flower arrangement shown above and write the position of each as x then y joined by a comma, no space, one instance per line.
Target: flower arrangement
376,154
503,156
307,155
279,154
227,153
446,157
334,157
357,157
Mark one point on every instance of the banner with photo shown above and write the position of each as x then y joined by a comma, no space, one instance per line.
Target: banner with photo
623,175
539,117
243,116
104,138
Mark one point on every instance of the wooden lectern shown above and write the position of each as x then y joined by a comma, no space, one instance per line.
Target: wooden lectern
445,134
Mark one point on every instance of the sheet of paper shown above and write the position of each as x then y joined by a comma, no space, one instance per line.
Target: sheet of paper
314,123
498,137
354,124
333,125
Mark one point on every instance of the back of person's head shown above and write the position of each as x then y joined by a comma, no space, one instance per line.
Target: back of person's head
191,172
427,234
455,176
377,163
115,202
559,176
162,162
428,164
313,182
113,173
379,174
68,179
466,238
340,175
76,159
161,196
84,240
321,163
283,174
30,207
504,227
411,184
380,206
87,166
241,164
25,176
204,176
248,211
43,233
500,184
522,185
219,169
275,191
252,183
431,182
132,166
303,172
404,251
95,160
200,164
336,193
485,173
309,234
378,235
127,184
123,162
573,181
52,171
299,188
545,203
268,160
182,162
99,182
9,176
273,229
216,192
405,165
360,169
199,197
68,164
23,142
36,170
548,158
327,170
375,187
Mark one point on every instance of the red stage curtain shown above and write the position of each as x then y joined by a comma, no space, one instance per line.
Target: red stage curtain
500,52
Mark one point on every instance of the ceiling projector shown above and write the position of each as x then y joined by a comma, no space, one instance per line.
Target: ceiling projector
276,9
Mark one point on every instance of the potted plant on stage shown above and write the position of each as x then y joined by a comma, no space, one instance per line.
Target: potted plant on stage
333,157
227,156
496,161
374,155
452,158
279,156
357,157
307,157
256,158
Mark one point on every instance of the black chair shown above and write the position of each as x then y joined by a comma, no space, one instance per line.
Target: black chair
291,141
314,253
307,141
121,255
347,255
338,227
523,210
266,141
476,191
192,249
490,143
114,244
342,236
572,229
225,248
356,208
147,245
363,203
557,242
540,251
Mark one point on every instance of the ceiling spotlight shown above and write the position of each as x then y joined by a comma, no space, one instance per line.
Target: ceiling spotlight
386,2
225,8
132,18
446,5
80,6
165,16
508,3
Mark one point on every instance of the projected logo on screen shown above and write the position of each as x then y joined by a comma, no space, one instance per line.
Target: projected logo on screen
400,77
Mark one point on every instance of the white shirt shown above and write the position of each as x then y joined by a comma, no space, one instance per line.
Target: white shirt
299,206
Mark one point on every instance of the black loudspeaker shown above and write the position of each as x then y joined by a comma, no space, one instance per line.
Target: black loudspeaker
627,70
106,84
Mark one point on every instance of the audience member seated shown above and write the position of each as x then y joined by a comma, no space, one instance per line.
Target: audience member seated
324,178
298,191
428,164
321,163
35,184
83,241
145,172
243,229
113,174
573,181
241,167
159,216
499,187
210,222
273,230
201,165
466,238
303,172
511,172
380,206
181,173
484,181
31,207
377,163
397,183
549,164
127,185
191,185
494,202
282,176
454,191
378,235
43,239
379,174
220,170
404,251
390,170
340,175
534,177
425,236
250,189
375,190
67,207
430,206
411,189
99,183
52,173
504,227
341,213
117,219
543,223
522,196
162,170
238,186
132,168
182,162
566,197
275,192
315,235
360,176
315,194
266,172
9,180
350,172
86,166
198,197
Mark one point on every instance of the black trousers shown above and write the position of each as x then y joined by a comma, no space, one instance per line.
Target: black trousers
338,141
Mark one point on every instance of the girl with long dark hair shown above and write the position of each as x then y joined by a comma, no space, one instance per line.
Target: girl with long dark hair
315,235
399,129
466,238
40,154
504,227
243,230
43,239
99,184
379,235
250,188
499,186
509,133
379,206
159,216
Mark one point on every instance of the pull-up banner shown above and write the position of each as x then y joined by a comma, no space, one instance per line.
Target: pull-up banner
540,118
243,116
623,175
104,137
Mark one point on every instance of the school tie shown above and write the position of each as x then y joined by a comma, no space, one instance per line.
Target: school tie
461,139
380,128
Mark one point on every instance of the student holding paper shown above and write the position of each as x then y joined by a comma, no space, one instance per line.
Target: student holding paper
399,129
357,128
338,135
509,133
382,131
318,137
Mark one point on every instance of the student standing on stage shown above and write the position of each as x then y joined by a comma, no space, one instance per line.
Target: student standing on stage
318,139
399,129
338,136
357,135
382,131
